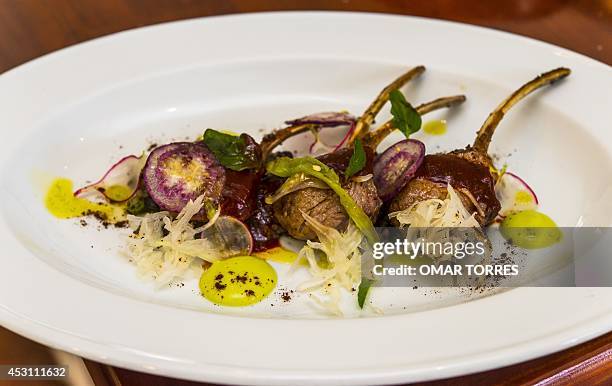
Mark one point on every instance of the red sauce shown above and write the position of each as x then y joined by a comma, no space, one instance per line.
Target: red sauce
460,173
339,160
238,194
244,196
262,223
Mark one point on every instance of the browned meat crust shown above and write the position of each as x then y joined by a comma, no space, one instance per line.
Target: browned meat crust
324,206
467,170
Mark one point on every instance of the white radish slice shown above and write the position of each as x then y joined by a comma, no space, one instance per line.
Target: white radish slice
229,236
119,183
514,195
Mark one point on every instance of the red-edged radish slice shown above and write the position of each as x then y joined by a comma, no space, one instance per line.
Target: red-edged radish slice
119,183
514,195
325,119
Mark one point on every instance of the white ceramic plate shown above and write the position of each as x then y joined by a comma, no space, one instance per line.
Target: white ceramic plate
66,114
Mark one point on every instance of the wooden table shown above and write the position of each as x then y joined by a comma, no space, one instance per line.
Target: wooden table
30,28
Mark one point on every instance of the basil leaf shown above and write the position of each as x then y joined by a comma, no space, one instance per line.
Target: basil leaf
357,161
232,151
405,118
286,167
364,288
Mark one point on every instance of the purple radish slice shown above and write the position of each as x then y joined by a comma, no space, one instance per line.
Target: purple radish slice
182,171
396,166
325,119
514,195
119,183
229,237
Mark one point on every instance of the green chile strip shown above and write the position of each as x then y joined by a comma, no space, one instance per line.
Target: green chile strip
286,167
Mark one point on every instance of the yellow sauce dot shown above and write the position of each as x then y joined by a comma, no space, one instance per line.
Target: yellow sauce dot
238,281
118,192
530,229
523,197
277,254
61,203
437,127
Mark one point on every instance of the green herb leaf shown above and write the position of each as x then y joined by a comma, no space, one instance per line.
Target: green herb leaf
357,161
232,151
405,118
287,167
364,288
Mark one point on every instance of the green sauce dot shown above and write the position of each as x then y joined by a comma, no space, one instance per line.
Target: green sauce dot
530,229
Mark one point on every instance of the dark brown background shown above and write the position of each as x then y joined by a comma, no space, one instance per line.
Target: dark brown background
31,28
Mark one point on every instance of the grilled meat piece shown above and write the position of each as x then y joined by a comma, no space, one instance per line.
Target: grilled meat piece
323,204
466,170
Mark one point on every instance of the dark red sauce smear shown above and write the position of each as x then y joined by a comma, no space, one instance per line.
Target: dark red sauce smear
460,173
244,197
238,194
262,224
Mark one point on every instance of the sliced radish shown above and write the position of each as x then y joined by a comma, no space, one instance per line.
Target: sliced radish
346,137
119,183
229,236
514,195
325,119
396,166
182,171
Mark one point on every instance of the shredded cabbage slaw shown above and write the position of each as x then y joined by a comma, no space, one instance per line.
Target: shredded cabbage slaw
341,268
165,249
434,212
